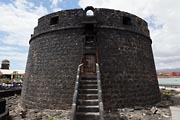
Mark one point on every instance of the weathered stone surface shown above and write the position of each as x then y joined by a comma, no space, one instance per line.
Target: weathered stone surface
16,112
125,57
176,99
127,69
51,70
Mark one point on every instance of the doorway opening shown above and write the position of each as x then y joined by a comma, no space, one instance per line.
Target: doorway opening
89,64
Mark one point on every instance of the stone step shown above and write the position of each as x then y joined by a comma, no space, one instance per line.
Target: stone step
89,82
87,96
88,108
90,77
88,102
87,115
88,86
88,91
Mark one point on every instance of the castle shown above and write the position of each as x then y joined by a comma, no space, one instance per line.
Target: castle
115,42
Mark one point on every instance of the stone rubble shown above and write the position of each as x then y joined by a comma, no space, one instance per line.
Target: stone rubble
140,114
158,112
18,113
146,114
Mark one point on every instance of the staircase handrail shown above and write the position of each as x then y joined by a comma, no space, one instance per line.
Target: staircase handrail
101,108
73,116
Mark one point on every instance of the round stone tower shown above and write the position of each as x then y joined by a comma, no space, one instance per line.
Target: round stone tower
5,64
122,49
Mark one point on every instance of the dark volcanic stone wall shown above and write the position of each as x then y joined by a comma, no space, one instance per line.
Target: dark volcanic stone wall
126,61
125,57
127,70
52,64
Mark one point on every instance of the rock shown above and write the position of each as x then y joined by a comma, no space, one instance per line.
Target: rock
143,114
176,99
148,112
18,113
130,110
154,110
23,114
138,108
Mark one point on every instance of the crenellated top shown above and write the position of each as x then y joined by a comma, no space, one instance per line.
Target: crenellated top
106,18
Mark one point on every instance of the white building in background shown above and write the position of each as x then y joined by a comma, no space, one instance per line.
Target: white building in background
10,74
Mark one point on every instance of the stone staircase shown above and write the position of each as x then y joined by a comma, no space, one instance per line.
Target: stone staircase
87,99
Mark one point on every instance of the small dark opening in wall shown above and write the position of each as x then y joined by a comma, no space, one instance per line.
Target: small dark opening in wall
127,20
54,20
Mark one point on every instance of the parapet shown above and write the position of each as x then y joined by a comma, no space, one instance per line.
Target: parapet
106,18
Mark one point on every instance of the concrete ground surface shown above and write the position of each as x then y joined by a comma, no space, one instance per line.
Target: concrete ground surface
175,112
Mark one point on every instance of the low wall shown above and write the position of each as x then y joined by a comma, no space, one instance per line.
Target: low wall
4,112
5,115
7,93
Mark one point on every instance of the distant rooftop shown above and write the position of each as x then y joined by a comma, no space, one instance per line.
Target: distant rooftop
9,72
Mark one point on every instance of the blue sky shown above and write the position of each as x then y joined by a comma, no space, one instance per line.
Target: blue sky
19,17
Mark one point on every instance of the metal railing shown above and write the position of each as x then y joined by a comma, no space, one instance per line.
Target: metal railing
75,95
101,109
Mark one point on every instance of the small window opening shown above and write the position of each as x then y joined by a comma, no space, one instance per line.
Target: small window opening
89,13
54,20
127,20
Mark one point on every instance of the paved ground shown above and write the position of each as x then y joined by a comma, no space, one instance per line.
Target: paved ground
175,112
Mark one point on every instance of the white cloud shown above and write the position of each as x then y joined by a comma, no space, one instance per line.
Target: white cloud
7,48
14,56
18,20
17,58
164,20
56,9
54,5
55,2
